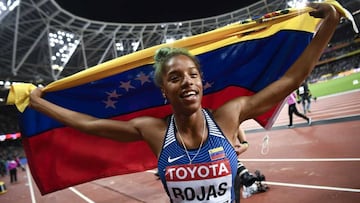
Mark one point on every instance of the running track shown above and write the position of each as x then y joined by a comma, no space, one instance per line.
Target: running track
318,163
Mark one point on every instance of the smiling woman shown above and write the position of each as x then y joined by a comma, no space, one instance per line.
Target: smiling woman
149,11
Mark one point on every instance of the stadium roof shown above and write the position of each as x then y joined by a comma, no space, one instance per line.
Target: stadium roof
42,41
135,11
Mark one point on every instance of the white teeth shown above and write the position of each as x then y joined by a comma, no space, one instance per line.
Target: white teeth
190,93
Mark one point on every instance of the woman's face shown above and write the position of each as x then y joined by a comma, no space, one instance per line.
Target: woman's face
182,83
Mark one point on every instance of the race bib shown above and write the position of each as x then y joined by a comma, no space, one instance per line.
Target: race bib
205,182
301,90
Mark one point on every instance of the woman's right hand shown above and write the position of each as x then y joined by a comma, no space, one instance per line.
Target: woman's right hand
35,94
324,10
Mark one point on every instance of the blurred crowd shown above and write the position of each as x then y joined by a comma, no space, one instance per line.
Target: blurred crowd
12,157
8,120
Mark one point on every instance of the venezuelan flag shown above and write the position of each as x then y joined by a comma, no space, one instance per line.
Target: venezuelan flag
237,60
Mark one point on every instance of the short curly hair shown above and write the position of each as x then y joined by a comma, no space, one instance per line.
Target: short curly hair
163,55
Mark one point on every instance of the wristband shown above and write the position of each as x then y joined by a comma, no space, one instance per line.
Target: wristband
244,142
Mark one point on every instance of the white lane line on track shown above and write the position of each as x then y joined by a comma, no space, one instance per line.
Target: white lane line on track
81,195
302,160
312,186
31,188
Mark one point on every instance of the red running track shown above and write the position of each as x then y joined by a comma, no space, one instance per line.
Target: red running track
318,163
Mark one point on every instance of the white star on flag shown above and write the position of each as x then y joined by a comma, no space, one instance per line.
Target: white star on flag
113,94
143,78
110,103
126,85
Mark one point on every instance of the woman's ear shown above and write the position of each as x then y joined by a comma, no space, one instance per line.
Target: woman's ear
163,93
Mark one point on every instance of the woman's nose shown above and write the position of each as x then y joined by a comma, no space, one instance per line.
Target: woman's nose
187,79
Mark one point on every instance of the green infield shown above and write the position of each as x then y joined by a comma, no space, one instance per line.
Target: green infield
337,85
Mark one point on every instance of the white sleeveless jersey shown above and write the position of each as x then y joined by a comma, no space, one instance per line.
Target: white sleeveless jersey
210,177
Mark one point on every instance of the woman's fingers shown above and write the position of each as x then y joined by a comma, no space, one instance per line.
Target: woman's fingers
321,10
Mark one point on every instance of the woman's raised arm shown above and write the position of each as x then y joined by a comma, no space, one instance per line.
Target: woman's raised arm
299,71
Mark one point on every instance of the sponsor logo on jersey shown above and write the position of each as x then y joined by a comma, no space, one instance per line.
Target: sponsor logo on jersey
198,171
170,160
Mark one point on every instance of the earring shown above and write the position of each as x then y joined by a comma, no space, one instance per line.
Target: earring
165,99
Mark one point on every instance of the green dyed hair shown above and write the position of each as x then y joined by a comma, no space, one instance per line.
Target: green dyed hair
163,55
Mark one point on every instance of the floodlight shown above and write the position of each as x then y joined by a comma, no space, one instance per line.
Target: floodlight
62,45
6,6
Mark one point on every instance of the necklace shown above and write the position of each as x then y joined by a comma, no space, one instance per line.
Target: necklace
183,143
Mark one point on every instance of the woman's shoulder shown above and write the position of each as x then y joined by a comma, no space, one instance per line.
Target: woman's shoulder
150,124
150,120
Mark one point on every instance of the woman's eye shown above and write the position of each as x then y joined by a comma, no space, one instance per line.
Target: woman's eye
174,78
